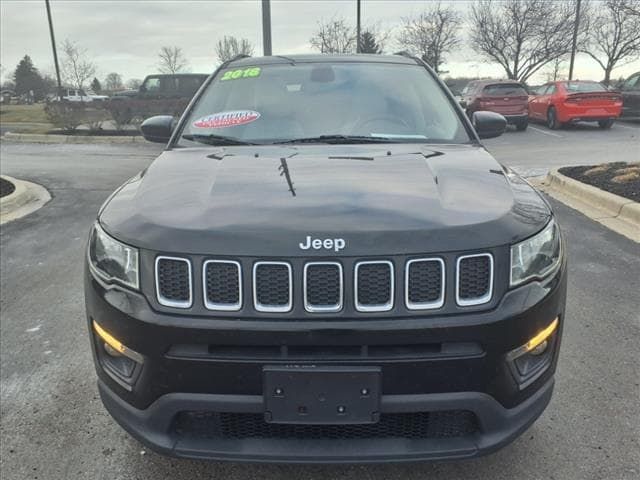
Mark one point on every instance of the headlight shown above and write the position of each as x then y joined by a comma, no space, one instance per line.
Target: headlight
536,256
112,260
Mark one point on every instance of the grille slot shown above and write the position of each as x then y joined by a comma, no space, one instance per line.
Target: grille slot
374,286
474,279
419,425
323,287
173,282
272,286
424,283
222,285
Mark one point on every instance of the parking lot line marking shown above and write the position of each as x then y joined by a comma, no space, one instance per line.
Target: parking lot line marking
627,127
545,132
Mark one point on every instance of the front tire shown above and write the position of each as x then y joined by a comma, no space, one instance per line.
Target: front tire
522,126
552,119
605,124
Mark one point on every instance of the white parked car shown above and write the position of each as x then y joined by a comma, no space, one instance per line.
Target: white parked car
79,95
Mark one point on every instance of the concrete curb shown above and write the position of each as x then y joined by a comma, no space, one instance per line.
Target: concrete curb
617,213
25,199
45,138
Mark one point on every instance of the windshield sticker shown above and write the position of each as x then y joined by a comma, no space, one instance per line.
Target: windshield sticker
250,72
227,119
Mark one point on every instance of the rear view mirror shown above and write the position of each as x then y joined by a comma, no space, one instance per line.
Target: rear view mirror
489,124
158,129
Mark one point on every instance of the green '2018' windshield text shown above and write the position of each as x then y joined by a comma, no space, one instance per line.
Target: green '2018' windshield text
250,72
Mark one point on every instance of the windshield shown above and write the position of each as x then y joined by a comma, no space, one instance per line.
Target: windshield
572,87
504,90
354,102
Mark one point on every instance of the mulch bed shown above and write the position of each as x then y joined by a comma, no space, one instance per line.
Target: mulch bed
619,178
6,187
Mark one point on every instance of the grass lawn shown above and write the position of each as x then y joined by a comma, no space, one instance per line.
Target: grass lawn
24,118
23,113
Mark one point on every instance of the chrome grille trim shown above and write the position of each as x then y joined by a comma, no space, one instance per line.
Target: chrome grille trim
166,301
272,308
374,308
424,305
479,300
323,308
225,307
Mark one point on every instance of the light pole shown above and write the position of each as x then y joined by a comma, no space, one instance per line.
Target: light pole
266,27
576,24
55,53
357,26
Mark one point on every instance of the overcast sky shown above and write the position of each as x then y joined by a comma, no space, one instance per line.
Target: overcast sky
125,36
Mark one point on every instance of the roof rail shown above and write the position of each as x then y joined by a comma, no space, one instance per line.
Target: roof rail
233,59
405,53
237,57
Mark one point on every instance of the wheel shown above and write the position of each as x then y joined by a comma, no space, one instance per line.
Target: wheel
522,126
552,119
605,124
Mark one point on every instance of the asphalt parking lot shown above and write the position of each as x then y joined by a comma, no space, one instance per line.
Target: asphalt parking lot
53,425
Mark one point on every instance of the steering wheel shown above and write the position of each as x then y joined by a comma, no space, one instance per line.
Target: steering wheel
385,118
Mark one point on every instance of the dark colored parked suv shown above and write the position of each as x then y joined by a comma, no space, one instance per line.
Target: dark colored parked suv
161,94
506,97
325,265
630,90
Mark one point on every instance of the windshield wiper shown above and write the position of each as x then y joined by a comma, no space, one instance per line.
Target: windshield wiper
212,139
340,139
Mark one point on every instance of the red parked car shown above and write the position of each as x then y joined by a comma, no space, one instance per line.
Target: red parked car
509,98
560,103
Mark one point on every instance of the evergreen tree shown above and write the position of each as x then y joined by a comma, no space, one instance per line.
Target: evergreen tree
27,78
368,43
95,86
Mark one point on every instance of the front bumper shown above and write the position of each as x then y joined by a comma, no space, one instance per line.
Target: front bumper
499,427
468,372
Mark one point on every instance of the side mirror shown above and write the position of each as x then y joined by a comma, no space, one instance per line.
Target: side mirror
489,124
462,103
158,129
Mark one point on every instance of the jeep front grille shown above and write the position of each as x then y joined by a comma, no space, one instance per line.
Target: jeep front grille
222,282
374,286
474,279
326,286
173,282
424,280
272,286
323,287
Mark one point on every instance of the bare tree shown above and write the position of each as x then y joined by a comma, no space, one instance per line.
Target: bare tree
134,83
113,82
524,35
230,47
432,34
334,36
553,73
613,38
76,67
172,60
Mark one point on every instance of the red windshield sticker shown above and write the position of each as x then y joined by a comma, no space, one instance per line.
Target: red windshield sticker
227,119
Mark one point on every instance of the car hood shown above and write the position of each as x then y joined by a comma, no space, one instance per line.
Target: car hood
380,199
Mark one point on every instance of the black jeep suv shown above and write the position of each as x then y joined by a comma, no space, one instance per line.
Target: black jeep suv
325,265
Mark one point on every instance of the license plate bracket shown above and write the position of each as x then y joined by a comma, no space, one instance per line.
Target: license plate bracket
316,395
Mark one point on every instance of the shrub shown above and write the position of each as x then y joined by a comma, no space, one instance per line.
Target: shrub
65,115
70,115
